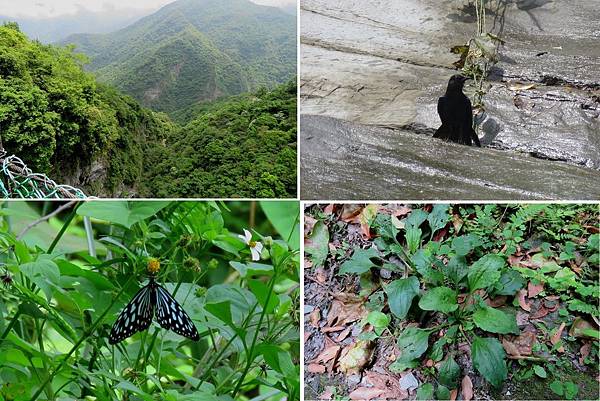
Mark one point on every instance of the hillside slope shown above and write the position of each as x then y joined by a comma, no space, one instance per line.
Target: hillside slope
195,50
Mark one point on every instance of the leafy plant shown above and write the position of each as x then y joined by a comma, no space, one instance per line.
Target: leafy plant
68,282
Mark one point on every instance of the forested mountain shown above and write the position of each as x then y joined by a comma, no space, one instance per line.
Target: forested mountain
60,121
195,51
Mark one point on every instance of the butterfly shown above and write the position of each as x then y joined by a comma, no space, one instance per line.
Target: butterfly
152,300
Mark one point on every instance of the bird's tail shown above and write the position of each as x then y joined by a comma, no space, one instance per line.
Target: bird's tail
443,132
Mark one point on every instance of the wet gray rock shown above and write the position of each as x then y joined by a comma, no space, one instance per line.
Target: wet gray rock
385,63
342,160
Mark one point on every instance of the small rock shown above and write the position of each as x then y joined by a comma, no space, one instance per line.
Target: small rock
308,309
409,382
385,274
508,392
353,380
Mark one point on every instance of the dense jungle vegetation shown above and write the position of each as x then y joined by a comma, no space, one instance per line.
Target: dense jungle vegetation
62,122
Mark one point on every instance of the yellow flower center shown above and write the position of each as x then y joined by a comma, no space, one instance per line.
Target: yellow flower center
153,265
252,244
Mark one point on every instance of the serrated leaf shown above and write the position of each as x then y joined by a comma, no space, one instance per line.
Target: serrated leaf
360,262
456,269
495,321
400,295
449,373
485,272
441,299
489,359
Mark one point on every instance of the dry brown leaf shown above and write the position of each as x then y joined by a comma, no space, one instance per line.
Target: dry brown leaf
365,393
518,86
307,335
330,352
522,302
522,318
510,348
467,388
579,325
556,337
344,334
315,317
429,363
308,264
351,213
534,289
327,394
390,383
355,357
329,209
525,342
453,394
585,351
309,223
457,222
514,260
315,368
332,329
345,308
541,312
497,301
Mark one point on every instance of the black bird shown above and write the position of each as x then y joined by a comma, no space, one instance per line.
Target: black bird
456,114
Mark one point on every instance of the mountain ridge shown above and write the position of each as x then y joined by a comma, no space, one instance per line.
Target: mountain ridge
250,46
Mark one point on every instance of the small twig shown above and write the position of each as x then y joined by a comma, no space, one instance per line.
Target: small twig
45,218
529,358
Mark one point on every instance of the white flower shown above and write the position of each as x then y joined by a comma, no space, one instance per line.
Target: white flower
255,246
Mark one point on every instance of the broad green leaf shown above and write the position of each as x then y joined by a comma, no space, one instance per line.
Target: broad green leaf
285,217
442,393
456,269
412,343
571,390
437,349
360,262
464,244
387,229
378,319
400,295
423,260
413,239
541,372
43,272
261,292
485,272
125,213
251,269
449,373
557,387
441,299
415,218
425,392
317,244
438,217
489,359
510,282
495,321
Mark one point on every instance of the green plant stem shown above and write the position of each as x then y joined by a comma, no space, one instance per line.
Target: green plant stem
12,323
64,227
250,356
78,343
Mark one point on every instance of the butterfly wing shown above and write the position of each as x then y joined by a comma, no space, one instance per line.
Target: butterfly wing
170,315
136,316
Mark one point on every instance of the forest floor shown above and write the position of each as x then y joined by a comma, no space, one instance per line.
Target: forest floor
356,333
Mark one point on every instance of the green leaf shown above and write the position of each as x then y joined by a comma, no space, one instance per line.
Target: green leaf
317,244
121,212
456,269
557,387
425,392
413,239
441,299
285,217
423,260
541,372
510,282
442,393
360,262
489,359
415,218
378,319
437,349
485,272
449,373
438,217
571,390
495,321
412,343
251,269
261,292
464,244
400,295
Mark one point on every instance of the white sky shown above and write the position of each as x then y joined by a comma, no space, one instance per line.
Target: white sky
53,8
